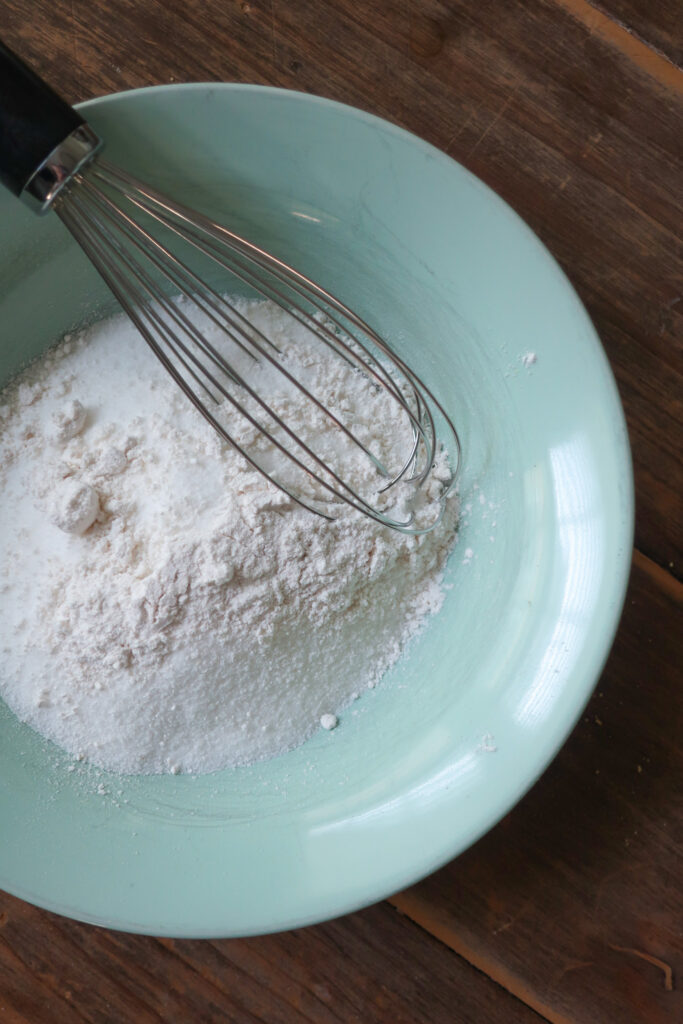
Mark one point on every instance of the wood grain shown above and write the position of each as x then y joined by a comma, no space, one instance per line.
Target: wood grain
572,111
574,902
371,967
658,24
554,113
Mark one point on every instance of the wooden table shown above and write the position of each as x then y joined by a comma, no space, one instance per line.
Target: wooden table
571,910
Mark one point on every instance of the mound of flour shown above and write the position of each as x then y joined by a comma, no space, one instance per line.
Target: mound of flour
162,607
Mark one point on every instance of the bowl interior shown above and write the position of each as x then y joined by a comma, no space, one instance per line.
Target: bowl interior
471,716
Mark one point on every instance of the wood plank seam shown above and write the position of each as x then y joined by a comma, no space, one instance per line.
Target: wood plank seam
661,574
411,904
635,33
645,56
402,907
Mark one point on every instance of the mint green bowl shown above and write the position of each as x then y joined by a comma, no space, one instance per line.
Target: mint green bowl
472,715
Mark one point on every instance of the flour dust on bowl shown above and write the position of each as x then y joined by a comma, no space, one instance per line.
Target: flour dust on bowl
423,764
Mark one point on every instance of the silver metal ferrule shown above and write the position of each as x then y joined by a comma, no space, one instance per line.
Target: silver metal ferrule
57,170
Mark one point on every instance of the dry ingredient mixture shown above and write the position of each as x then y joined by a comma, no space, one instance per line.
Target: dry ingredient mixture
162,607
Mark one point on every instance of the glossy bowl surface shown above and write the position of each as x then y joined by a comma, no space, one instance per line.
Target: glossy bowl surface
482,701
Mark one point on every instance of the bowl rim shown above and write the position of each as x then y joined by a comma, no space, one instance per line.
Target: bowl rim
411,872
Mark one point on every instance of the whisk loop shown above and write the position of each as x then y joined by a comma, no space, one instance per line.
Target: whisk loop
146,247
127,229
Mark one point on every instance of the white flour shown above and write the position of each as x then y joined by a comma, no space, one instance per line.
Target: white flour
162,607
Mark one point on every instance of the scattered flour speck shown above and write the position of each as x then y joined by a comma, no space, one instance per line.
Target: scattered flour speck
488,744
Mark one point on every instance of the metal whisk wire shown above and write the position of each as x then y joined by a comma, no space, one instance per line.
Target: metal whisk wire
50,159
101,207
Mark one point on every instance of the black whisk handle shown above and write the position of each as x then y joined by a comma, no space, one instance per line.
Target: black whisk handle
34,120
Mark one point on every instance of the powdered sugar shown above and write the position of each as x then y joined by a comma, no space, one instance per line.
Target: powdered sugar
183,614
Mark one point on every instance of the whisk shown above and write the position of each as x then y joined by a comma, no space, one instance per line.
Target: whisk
160,260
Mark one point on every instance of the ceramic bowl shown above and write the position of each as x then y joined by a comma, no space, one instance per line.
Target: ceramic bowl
482,701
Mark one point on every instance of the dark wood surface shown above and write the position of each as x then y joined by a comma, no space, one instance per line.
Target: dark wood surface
574,902
659,24
571,909
370,967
